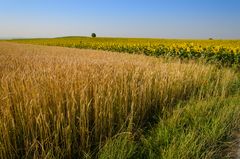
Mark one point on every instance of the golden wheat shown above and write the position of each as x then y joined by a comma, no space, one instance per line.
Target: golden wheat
63,102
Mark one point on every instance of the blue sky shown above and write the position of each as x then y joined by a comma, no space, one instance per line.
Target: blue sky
121,18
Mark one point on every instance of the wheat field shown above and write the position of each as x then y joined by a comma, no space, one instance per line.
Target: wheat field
60,102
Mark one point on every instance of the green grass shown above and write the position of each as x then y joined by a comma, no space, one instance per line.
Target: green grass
198,129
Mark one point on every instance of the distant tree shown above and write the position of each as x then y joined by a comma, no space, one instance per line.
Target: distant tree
210,39
94,35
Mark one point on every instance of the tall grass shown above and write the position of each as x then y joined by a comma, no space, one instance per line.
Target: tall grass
198,129
65,103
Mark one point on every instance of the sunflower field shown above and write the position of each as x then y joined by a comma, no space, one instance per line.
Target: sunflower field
223,52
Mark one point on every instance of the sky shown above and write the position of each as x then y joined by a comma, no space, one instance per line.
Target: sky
195,19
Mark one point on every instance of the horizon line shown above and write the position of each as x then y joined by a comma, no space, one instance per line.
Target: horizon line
130,37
